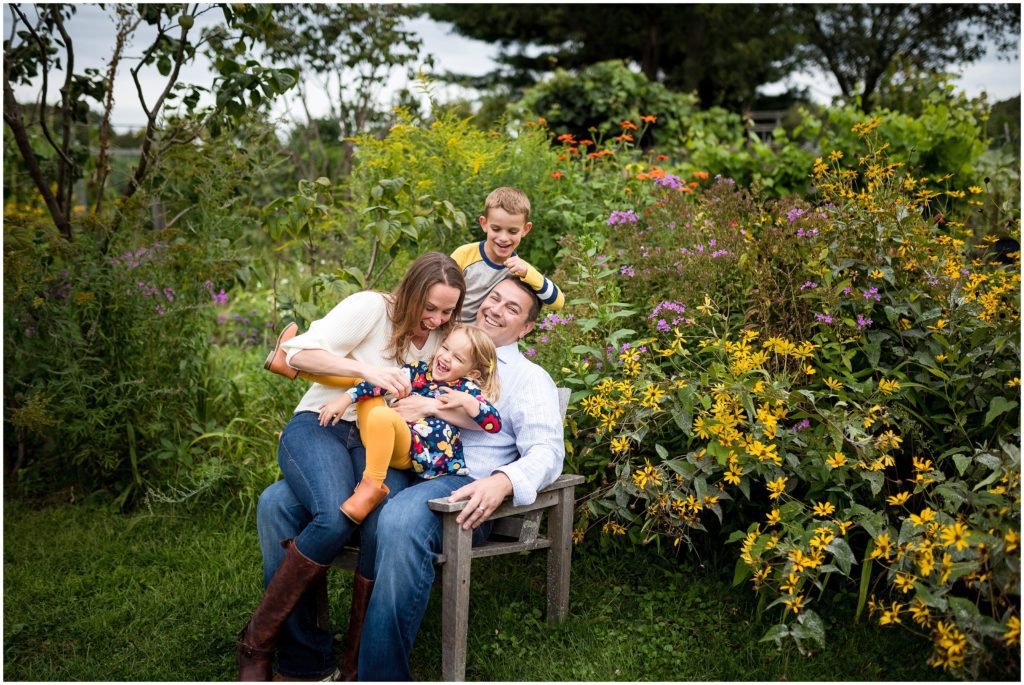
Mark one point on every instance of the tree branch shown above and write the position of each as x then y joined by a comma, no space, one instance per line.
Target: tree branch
66,171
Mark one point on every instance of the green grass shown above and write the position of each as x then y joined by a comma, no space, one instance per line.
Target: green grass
91,595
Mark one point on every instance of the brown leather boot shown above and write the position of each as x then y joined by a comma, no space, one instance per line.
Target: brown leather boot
364,500
255,647
361,589
276,359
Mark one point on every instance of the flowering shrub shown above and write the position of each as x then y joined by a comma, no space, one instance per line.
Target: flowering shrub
836,383
105,357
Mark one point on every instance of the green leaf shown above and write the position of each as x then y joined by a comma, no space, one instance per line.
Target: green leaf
842,554
928,598
962,461
811,626
964,610
740,573
998,406
776,632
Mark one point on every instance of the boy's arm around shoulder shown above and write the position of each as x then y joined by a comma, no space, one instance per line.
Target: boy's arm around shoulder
550,294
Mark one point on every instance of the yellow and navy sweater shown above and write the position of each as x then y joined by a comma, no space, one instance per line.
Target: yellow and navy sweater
482,274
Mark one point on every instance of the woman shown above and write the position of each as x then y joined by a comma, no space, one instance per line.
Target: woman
368,335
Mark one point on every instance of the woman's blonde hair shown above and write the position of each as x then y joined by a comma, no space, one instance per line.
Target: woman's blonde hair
406,303
485,360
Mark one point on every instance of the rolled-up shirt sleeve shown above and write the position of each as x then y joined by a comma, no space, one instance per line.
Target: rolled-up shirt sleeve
539,435
344,328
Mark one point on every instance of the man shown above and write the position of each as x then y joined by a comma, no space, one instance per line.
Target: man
524,457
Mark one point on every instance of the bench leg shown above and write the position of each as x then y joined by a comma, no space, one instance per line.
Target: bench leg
560,555
457,548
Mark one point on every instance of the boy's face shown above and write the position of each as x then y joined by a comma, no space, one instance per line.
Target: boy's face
503,231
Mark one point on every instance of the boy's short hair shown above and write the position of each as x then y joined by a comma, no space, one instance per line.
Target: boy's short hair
512,200
535,303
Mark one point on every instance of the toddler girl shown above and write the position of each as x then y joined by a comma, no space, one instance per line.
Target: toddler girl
464,365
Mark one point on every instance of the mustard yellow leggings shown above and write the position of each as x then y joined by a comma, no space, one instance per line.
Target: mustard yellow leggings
385,433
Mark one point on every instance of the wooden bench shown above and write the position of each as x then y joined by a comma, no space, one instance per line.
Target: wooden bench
516,529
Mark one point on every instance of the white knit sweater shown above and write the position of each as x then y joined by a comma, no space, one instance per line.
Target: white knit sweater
357,328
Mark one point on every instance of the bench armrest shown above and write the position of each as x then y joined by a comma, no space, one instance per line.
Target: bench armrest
443,506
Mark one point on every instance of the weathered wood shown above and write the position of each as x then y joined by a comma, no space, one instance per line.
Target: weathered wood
456,547
560,556
531,526
443,506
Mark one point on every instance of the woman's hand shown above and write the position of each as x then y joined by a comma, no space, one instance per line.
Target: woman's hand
394,381
449,398
330,412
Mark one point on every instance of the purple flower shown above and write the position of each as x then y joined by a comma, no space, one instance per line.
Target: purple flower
862,322
160,310
794,214
871,293
720,253
530,352
623,217
543,338
847,290
667,305
823,318
802,425
221,297
712,242
626,270
809,285
663,326
669,181
169,294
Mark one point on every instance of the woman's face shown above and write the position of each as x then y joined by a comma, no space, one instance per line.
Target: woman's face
439,307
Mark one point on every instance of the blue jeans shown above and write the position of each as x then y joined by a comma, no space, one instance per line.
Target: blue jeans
408,541
321,467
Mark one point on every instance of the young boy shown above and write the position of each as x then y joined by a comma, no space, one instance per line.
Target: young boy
505,222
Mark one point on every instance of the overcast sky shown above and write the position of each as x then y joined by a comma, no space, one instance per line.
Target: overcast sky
92,31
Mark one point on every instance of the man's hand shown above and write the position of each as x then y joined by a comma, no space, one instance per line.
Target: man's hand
415,407
484,495
516,266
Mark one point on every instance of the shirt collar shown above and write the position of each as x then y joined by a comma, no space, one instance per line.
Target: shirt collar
509,353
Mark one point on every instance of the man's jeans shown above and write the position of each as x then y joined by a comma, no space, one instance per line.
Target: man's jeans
321,467
408,541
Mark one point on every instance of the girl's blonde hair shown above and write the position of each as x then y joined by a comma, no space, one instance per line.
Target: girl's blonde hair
406,303
485,360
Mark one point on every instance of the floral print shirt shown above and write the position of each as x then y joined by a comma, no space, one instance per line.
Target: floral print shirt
436,448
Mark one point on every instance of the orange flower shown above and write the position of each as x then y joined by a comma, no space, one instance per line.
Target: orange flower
557,174
586,142
567,138
686,190
649,119
693,184
628,137
560,158
542,121
700,174
628,125
642,177
574,150
661,158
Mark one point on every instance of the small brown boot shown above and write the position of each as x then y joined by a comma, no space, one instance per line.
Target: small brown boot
364,500
361,589
255,647
276,359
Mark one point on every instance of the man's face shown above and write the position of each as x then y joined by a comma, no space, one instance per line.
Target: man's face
503,314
